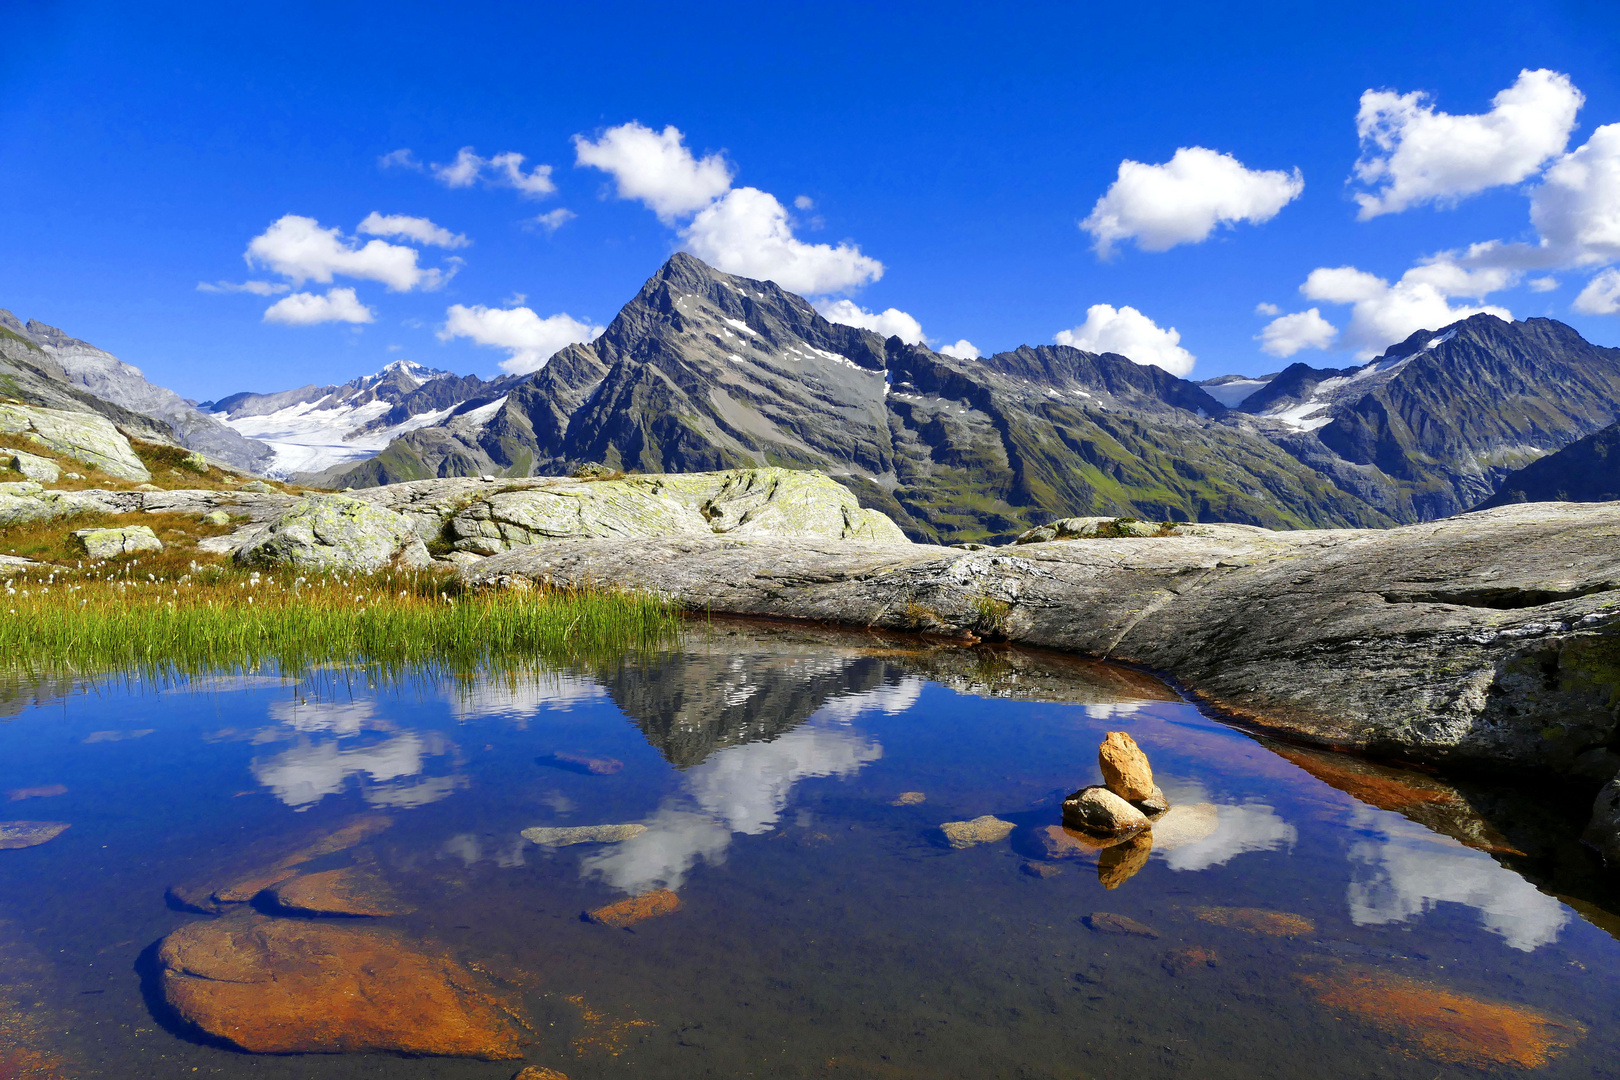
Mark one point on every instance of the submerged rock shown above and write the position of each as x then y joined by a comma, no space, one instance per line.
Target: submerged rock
284,986
1181,961
26,834
335,532
1125,768
582,834
981,830
1257,920
540,1072
909,798
1183,825
584,763
634,909
1061,842
1441,1024
1040,869
1107,922
264,866
43,791
111,543
1098,810
348,891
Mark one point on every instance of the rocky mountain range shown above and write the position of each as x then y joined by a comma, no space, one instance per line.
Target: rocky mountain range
315,430
704,370
41,365
1587,470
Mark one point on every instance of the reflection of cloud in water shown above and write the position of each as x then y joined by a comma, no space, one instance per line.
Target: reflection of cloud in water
1402,870
469,849
307,772
1197,834
1110,709
522,696
350,718
891,700
739,789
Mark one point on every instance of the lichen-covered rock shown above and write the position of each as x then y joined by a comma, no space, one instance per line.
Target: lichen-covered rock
1125,768
285,986
216,517
773,502
336,532
624,509
32,466
111,543
1098,810
85,437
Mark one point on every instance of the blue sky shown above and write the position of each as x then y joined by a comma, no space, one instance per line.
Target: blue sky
959,146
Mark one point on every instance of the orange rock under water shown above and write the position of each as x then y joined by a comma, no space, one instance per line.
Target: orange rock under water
1181,961
1257,920
539,1072
44,791
634,909
348,891
283,986
1444,1025
1062,842
261,869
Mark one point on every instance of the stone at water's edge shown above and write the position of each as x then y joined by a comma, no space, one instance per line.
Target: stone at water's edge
1098,810
1492,637
111,543
1603,832
1125,768
284,986
335,532
27,834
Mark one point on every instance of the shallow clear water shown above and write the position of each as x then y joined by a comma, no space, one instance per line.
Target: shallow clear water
821,929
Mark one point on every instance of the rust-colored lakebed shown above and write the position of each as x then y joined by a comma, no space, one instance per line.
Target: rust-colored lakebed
738,868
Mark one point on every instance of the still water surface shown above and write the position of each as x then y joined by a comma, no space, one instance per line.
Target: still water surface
825,927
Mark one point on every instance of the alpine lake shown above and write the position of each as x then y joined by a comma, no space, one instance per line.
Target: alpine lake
324,874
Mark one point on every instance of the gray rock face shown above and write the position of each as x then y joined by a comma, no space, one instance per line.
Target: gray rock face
27,501
1492,637
335,532
111,543
81,436
32,466
484,519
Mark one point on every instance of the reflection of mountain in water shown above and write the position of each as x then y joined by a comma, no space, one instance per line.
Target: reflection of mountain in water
691,704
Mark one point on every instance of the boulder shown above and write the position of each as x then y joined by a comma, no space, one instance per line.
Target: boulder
634,909
1108,922
16,564
981,830
111,543
32,466
1098,810
26,834
258,486
1125,768
582,834
26,501
347,891
284,986
216,517
1603,831
335,532
86,437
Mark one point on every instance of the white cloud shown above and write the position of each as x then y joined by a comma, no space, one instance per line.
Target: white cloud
502,170
1576,208
747,232
552,220
891,322
804,202
656,168
1601,295
300,250
399,159
1264,308
1131,334
1287,335
419,229
962,350
1542,284
742,231
257,288
529,339
310,771
1181,201
307,309
1382,314
1414,154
